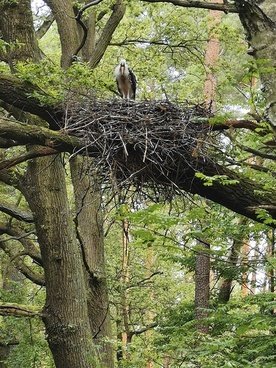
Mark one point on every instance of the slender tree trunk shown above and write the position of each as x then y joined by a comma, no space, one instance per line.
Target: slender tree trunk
226,285
150,316
202,268
253,281
123,311
245,258
202,287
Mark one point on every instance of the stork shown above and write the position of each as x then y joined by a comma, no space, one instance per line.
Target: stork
126,80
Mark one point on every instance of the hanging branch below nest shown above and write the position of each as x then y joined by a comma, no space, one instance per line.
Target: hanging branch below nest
160,145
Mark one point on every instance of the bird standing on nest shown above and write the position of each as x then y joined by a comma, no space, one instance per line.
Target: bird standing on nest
126,81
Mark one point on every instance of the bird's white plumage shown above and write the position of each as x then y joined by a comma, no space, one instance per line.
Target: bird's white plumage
126,80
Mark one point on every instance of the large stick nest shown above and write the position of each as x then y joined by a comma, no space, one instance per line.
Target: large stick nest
141,141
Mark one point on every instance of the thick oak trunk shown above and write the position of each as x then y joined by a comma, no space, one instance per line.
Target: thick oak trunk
66,313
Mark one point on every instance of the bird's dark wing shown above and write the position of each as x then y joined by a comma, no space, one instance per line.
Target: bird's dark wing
133,81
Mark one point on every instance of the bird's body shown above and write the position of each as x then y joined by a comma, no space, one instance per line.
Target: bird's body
126,81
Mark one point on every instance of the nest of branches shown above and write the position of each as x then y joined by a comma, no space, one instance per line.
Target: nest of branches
141,142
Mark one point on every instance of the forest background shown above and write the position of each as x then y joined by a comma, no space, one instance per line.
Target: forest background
100,270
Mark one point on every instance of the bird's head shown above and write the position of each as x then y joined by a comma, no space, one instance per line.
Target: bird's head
122,66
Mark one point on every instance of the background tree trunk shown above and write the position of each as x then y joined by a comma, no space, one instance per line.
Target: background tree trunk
202,287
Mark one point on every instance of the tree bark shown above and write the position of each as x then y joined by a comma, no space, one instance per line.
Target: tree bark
201,4
63,12
89,226
118,12
259,22
65,312
202,287
21,43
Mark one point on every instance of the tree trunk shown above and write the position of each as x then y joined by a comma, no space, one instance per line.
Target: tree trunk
124,333
226,284
245,259
66,312
202,287
21,41
259,22
67,29
89,224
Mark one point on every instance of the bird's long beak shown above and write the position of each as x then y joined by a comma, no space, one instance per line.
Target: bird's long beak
122,69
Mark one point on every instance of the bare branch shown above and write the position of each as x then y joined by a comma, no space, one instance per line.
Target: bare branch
106,35
227,8
15,212
36,152
258,153
19,310
241,123
42,30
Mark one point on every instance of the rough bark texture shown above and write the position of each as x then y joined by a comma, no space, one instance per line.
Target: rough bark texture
202,288
67,27
19,94
18,31
106,35
89,224
65,313
259,22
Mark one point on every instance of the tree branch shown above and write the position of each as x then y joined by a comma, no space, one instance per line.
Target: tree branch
19,310
238,124
15,212
36,152
227,8
42,30
106,35
25,134
258,153
15,254
20,95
